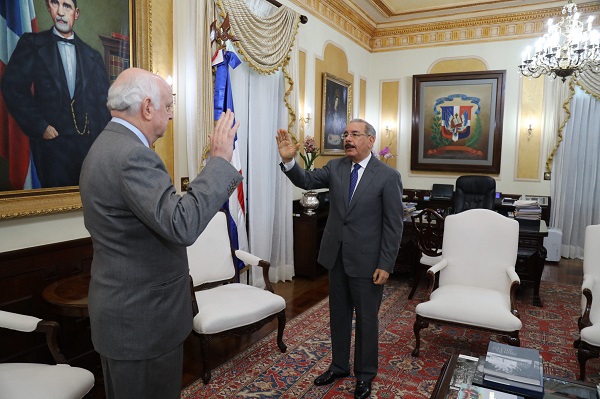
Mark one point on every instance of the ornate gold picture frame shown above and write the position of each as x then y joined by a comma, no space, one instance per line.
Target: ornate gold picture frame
337,108
21,203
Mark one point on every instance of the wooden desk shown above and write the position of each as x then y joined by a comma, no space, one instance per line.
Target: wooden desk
531,257
308,231
69,296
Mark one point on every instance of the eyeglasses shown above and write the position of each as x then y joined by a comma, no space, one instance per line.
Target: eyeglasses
354,135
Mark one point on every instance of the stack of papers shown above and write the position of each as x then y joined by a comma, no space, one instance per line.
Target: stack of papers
528,210
409,207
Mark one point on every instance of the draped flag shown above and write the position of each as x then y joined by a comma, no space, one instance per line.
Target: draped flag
16,18
223,100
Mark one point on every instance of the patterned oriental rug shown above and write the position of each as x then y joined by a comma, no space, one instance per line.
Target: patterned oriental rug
262,371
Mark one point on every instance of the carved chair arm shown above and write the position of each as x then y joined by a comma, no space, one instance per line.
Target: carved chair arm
254,260
585,318
195,309
514,286
26,323
588,282
50,328
431,275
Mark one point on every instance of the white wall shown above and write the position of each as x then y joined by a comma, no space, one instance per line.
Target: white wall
34,231
401,65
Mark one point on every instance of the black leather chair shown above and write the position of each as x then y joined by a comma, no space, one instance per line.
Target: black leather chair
474,192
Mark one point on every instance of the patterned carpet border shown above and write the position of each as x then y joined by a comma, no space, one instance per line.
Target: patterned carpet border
262,371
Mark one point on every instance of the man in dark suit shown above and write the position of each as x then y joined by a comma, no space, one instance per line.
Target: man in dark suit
55,87
140,303
359,246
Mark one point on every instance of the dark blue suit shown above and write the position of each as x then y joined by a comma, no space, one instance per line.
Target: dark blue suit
35,89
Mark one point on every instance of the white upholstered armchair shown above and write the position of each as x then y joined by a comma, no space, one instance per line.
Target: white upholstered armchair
224,307
41,381
476,277
588,344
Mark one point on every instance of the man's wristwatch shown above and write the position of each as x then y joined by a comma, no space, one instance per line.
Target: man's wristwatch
282,166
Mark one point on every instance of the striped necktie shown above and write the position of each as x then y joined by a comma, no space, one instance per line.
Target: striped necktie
353,180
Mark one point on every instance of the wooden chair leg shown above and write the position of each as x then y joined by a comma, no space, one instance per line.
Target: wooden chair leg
584,353
280,328
417,280
512,338
205,359
419,324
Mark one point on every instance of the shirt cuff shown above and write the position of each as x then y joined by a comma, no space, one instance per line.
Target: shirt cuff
287,166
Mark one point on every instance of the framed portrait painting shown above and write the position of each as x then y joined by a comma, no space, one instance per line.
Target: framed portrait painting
103,45
337,94
457,122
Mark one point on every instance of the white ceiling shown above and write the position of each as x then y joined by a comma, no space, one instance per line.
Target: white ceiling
390,13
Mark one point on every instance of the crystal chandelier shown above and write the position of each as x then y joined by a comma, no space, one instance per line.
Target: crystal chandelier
567,49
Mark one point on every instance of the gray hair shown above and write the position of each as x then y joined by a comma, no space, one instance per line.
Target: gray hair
369,129
127,96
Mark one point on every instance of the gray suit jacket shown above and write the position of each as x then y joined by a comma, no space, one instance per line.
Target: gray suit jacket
368,229
139,297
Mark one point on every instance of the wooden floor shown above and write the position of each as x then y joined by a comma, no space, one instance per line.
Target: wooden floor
302,293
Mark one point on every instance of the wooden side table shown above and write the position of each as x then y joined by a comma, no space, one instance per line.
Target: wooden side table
69,296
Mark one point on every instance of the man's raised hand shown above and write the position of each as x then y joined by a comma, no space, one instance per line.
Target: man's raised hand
221,141
287,150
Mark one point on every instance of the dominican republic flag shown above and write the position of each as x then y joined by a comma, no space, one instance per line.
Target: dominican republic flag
223,100
16,18
456,121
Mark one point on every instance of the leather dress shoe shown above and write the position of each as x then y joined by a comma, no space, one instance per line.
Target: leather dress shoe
363,390
328,377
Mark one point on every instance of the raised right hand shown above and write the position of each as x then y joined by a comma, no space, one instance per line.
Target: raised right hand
287,150
221,141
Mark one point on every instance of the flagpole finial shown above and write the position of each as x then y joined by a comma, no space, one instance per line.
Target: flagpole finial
220,34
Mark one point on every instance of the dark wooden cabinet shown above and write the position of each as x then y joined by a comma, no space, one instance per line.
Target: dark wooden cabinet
24,274
308,231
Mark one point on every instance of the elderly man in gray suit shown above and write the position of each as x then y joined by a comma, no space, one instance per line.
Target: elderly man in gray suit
140,303
359,246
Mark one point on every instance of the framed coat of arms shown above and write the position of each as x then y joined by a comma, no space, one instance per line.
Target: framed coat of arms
457,122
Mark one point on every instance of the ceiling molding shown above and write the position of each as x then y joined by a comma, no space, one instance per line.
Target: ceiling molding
360,28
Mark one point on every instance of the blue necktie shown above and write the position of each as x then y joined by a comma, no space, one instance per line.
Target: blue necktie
353,180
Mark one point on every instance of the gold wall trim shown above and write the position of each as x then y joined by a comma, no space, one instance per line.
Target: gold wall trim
365,32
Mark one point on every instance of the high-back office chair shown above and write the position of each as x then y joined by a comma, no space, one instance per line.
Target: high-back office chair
474,192
223,307
588,344
36,380
428,226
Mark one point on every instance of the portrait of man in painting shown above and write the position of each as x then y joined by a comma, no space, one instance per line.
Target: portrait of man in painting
335,111
54,85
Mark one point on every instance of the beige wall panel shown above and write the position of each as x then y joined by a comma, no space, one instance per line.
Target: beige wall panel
362,107
389,117
162,64
529,148
458,65
334,62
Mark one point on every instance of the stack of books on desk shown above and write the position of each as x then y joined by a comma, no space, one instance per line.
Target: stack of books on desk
528,210
512,369
409,207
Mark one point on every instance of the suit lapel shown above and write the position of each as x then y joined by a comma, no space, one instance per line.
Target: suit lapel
51,57
85,65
